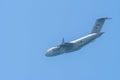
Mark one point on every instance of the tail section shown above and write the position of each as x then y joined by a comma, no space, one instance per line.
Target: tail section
98,25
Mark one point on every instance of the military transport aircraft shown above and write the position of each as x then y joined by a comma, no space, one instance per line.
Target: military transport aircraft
66,47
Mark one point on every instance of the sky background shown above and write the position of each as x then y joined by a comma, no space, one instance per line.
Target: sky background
29,27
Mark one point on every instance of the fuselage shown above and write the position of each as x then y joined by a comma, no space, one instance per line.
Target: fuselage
78,43
72,45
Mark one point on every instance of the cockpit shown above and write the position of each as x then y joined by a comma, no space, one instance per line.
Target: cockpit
66,46
59,49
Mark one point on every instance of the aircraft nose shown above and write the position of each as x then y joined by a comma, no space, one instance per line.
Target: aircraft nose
52,52
48,53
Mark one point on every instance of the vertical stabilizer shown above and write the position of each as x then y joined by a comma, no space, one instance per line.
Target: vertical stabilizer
98,25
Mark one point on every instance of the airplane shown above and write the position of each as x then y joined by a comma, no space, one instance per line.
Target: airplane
67,47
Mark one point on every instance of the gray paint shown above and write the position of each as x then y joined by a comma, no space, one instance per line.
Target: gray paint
78,43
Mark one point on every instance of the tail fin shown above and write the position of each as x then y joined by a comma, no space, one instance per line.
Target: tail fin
98,25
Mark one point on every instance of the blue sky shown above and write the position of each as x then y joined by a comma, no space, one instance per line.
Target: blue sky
29,27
